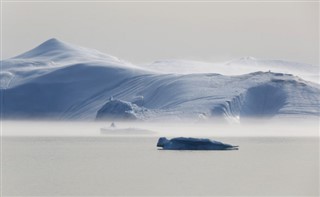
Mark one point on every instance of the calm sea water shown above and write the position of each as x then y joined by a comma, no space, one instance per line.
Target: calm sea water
40,165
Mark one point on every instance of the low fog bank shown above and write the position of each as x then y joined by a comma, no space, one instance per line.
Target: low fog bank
253,127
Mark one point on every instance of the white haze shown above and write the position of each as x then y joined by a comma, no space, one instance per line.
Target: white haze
238,66
256,127
75,159
147,31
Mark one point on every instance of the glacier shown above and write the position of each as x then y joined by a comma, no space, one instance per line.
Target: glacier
62,81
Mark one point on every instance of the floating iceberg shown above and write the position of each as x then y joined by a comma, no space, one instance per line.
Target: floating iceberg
182,143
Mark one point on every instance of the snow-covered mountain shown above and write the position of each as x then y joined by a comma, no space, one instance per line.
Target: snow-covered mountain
239,66
57,80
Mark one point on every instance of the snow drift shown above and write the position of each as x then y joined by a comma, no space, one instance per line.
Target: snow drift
117,109
238,66
57,80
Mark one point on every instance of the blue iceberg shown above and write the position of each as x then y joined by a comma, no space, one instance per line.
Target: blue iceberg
183,143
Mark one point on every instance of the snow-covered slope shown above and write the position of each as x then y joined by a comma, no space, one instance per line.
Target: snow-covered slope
58,51
239,66
57,80
50,56
117,109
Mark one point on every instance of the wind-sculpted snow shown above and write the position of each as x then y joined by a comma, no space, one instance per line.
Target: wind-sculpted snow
238,66
61,81
117,109
56,51
53,55
259,101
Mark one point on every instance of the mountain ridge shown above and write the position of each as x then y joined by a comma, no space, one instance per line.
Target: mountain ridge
78,89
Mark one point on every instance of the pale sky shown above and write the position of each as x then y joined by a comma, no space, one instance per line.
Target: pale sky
145,32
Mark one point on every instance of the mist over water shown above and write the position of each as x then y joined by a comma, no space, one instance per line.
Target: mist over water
177,80
76,158
251,127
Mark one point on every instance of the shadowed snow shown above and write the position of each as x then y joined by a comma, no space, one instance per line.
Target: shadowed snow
57,80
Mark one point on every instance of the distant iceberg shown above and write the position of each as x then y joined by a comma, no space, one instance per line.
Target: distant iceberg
114,130
125,131
183,143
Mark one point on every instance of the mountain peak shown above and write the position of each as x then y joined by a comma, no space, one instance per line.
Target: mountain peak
54,44
47,48
52,41
55,50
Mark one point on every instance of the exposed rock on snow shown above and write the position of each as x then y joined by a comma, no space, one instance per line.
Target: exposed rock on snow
182,143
